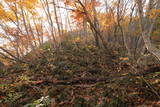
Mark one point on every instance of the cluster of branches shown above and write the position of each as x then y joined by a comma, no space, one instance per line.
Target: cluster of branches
126,23
26,25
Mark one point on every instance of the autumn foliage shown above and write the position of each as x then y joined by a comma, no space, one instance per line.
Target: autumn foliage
79,53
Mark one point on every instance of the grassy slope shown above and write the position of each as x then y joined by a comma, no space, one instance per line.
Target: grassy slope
80,77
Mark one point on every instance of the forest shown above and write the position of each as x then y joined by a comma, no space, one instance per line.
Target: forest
79,53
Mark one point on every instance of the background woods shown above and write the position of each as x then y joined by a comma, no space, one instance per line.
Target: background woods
26,25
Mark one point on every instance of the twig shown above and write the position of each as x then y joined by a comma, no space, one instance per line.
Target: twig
148,84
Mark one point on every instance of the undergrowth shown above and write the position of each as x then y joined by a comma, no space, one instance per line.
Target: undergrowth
79,76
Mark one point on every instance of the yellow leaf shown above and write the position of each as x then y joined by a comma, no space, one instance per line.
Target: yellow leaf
124,58
77,39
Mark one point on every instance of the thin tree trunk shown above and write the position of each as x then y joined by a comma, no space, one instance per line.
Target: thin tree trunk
56,17
92,25
119,18
51,25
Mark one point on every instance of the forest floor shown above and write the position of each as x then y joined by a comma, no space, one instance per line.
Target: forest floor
80,77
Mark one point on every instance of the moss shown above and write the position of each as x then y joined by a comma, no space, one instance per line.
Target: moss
117,102
79,102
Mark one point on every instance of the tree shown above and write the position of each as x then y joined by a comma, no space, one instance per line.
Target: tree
146,30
